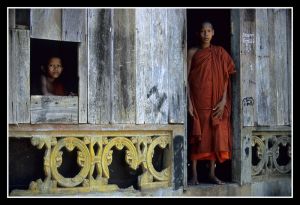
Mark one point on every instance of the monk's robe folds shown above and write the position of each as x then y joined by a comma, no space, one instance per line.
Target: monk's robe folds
210,137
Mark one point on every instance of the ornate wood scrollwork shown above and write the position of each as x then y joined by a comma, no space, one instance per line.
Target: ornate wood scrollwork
286,142
261,154
83,160
268,152
164,174
94,153
131,156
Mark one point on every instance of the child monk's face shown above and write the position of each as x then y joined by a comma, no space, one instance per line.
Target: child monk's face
206,33
54,68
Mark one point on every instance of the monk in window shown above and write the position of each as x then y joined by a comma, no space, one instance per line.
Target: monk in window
209,69
50,80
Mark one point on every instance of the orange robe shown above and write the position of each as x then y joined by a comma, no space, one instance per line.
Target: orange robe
210,137
58,89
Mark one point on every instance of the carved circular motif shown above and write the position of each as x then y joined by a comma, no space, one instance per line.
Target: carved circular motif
164,174
83,160
261,153
284,140
131,156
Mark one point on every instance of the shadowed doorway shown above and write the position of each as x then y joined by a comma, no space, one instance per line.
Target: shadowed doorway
220,18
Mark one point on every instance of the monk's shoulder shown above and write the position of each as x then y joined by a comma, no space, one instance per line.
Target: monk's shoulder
192,51
221,51
219,48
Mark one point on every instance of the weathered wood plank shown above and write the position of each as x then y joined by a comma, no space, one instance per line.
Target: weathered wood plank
46,24
149,84
176,64
73,24
54,109
143,61
123,78
12,97
156,79
20,76
281,69
83,74
237,153
262,68
100,66
22,18
247,63
12,18
288,35
273,96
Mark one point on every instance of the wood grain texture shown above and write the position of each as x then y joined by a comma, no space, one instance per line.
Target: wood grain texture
271,44
123,75
12,18
262,68
46,24
143,60
281,67
54,109
248,67
100,65
83,75
290,79
19,76
176,64
156,78
73,24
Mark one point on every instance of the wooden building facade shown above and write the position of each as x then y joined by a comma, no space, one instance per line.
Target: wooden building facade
130,74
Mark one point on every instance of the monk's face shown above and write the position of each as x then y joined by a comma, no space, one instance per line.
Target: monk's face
54,68
206,33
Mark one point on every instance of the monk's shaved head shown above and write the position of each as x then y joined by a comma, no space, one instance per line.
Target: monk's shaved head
206,23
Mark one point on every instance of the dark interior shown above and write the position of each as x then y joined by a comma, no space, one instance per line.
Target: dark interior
220,19
40,52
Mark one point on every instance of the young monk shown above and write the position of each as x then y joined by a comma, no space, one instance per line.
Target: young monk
209,69
50,82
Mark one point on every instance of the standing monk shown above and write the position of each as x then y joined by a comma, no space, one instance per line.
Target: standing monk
209,69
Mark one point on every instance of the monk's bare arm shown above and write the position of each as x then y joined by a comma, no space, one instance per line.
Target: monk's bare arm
44,85
219,108
191,53
225,91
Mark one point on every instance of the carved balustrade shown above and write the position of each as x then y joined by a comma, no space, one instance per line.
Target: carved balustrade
271,153
139,152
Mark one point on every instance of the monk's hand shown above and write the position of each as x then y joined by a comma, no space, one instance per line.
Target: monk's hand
191,109
219,109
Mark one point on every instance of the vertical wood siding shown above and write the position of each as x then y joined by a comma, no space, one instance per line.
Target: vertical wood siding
100,66
288,37
273,69
131,61
176,64
83,74
281,67
262,68
46,24
143,63
123,73
265,71
19,76
73,24
248,80
161,45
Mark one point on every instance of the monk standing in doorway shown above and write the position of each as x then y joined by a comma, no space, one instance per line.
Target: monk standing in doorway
209,69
